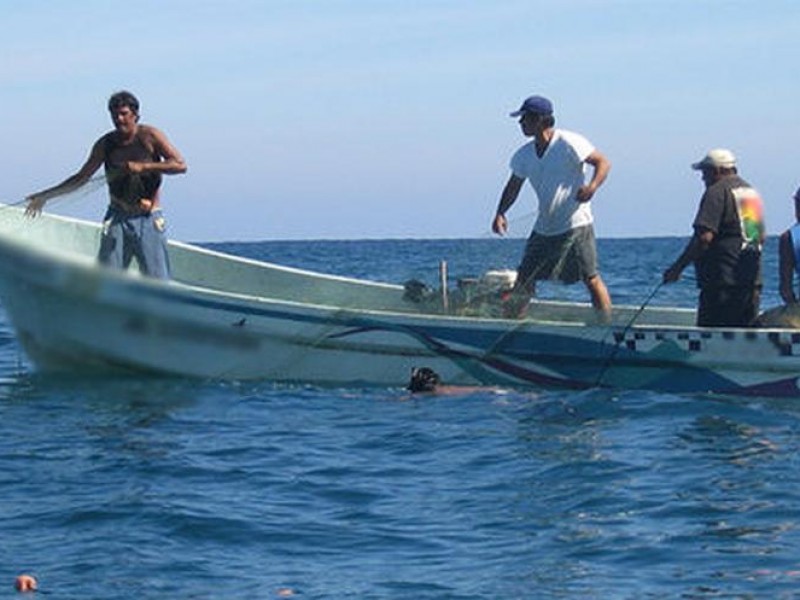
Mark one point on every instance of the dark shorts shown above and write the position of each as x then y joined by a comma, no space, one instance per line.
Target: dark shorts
728,306
569,257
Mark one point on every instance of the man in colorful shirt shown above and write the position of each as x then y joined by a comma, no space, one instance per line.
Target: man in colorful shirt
726,245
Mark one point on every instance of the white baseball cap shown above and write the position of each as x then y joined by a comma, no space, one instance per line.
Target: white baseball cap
718,157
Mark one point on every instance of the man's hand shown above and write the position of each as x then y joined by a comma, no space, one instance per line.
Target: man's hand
672,274
585,193
500,224
134,167
35,206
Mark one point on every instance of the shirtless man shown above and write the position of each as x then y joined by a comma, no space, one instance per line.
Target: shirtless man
135,157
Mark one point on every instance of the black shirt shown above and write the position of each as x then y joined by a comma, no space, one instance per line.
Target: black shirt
128,188
732,210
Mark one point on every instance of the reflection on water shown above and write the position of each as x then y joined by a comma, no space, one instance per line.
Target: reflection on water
720,438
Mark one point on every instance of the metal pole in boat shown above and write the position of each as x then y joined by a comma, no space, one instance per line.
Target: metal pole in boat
443,284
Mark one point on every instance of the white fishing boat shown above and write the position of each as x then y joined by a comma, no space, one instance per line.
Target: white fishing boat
227,317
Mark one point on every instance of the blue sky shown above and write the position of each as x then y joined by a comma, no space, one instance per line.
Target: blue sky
353,119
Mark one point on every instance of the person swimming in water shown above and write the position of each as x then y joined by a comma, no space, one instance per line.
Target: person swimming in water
425,380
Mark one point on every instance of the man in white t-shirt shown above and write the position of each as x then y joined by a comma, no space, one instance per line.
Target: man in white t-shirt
562,244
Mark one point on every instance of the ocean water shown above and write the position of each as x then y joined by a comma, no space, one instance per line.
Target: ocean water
132,488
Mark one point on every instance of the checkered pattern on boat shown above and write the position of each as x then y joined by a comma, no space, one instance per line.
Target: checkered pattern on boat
788,343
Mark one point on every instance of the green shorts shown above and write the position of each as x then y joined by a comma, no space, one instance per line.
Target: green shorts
568,257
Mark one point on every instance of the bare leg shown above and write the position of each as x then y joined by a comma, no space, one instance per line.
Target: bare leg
517,301
599,293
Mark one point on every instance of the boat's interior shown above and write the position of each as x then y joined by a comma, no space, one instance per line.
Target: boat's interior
76,241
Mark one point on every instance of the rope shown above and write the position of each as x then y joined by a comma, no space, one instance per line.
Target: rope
91,186
521,323
10,204
623,333
529,216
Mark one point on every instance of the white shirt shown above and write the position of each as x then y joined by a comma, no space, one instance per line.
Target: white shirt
556,178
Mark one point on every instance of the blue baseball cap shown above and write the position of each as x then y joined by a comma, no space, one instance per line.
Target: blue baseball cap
535,104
